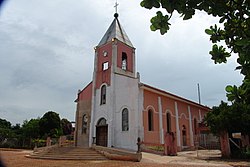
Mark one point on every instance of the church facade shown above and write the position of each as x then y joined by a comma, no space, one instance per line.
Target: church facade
115,108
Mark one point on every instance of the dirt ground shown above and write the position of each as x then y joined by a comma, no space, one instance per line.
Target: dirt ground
16,158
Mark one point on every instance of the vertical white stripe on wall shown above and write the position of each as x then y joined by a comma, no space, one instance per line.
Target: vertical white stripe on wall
93,103
177,124
160,121
200,115
190,127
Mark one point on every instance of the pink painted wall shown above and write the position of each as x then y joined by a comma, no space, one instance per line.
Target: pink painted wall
86,93
168,105
150,99
103,76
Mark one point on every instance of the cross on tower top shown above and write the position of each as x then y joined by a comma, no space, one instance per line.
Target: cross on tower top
116,5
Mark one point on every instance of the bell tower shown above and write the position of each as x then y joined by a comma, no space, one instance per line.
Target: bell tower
115,89
114,54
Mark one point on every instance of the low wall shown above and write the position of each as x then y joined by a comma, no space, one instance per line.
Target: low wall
44,149
118,154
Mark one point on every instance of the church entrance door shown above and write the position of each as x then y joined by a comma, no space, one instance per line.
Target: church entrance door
102,133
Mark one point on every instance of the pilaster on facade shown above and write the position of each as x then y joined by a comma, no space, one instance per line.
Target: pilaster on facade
114,57
92,123
76,126
93,107
160,121
140,113
177,125
200,117
134,66
190,127
111,132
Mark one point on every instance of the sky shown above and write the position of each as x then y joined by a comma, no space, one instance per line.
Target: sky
47,54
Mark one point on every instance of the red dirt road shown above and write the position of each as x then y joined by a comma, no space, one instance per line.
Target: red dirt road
18,159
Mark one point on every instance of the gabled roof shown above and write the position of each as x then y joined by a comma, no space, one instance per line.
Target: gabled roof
116,31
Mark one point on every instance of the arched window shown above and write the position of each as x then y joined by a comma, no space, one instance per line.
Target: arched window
168,122
103,95
125,118
84,123
150,120
124,61
195,126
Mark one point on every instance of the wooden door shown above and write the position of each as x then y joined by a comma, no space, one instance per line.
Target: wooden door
102,135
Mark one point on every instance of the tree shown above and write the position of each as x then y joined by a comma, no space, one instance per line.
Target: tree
17,135
5,129
228,118
31,129
235,32
50,125
10,136
66,127
5,124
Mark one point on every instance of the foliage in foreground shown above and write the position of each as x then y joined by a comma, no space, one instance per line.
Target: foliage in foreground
34,131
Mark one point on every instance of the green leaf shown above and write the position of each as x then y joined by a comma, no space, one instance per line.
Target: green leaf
222,19
188,14
219,54
159,13
155,4
229,88
147,4
230,97
238,68
152,27
166,5
142,3
160,22
209,32
241,42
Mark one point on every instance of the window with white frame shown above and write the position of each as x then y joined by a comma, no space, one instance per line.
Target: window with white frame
103,94
125,120
105,66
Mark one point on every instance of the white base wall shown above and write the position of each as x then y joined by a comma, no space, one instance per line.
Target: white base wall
123,93
126,96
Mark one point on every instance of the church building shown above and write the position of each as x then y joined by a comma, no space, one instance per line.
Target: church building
116,108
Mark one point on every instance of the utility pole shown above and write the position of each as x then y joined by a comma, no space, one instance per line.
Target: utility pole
199,94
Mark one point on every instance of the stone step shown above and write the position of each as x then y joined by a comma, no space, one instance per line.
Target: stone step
69,153
68,158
